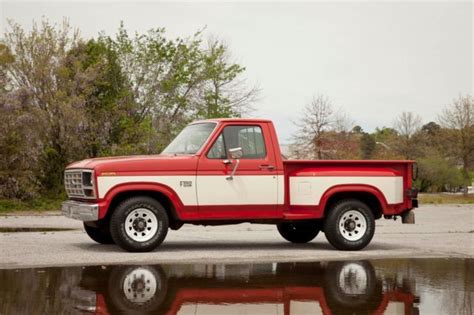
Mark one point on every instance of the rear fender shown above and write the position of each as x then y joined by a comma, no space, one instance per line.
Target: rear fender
353,188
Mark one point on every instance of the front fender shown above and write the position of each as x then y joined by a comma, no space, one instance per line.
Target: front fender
165,190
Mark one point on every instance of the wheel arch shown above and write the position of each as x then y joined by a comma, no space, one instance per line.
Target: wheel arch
370,195
162,193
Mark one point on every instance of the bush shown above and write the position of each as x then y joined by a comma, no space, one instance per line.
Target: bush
437,174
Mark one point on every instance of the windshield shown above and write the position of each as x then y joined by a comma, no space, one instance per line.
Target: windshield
190,139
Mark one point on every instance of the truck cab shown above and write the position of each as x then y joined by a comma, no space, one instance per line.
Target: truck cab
229,171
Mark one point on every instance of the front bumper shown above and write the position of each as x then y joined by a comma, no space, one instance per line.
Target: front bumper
80,210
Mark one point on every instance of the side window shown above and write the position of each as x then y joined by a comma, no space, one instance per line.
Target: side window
249,138
218,150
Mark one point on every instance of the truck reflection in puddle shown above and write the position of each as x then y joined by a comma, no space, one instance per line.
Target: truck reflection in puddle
280,288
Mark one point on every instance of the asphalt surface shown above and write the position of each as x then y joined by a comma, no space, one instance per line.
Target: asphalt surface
440,231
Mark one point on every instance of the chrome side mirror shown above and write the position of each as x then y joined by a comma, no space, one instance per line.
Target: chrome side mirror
235,154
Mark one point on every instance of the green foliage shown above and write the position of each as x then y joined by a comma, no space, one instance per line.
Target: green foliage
437,174
367,146
64,99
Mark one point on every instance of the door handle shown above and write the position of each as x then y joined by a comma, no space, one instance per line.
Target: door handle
267,167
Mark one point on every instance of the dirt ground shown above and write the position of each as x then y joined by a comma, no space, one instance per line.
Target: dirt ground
440,231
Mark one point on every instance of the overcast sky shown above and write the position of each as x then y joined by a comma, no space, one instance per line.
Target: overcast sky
374,60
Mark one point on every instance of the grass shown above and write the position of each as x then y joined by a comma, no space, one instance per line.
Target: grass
38,204
445,199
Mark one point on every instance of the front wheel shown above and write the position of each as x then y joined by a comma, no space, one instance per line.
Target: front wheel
350,225
139,224
299,232
137,289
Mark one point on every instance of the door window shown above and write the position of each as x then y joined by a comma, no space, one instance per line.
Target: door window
249,138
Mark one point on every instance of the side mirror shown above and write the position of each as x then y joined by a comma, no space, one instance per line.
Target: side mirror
235,154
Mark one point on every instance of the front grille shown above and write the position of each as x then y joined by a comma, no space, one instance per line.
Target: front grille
79,184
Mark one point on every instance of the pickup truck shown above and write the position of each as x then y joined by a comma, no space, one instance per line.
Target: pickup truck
230,171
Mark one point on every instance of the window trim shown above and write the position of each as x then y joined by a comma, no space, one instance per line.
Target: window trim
221,132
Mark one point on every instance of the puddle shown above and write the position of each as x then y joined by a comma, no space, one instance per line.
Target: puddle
400,286
31,229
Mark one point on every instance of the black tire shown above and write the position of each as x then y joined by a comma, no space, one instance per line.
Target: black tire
349,239
299,232
118,224
99,233
351,287
129,289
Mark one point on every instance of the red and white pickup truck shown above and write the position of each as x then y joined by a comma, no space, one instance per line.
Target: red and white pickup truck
229,171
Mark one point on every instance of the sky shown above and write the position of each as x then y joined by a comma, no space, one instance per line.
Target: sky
374,60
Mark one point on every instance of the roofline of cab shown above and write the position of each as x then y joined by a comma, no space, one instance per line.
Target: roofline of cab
223,120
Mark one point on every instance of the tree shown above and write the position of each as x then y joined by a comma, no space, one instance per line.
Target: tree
431,129
225,93
36,79
322,132
175,81
367,146
459,119
110,116
407,125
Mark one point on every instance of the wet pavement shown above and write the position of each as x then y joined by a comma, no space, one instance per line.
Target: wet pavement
386,286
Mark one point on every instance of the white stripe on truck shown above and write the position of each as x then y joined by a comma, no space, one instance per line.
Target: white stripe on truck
309,190
211,189
255,189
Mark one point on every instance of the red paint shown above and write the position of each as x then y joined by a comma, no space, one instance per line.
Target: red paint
199,164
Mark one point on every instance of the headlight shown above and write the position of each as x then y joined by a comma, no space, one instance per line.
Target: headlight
79,184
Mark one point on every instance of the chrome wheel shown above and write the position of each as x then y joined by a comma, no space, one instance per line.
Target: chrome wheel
353,279
140,285
141,225
352,225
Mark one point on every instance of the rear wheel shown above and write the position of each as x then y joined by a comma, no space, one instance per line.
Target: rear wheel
299,232
352,287
98,232
139,224
350,225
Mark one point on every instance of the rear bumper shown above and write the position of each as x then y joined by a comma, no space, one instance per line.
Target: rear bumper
80,210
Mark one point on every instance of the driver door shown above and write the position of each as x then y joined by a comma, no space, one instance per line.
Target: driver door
253,190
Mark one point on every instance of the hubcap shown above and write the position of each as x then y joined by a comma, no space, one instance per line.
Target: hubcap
353,279
352,225
140,285
141,225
